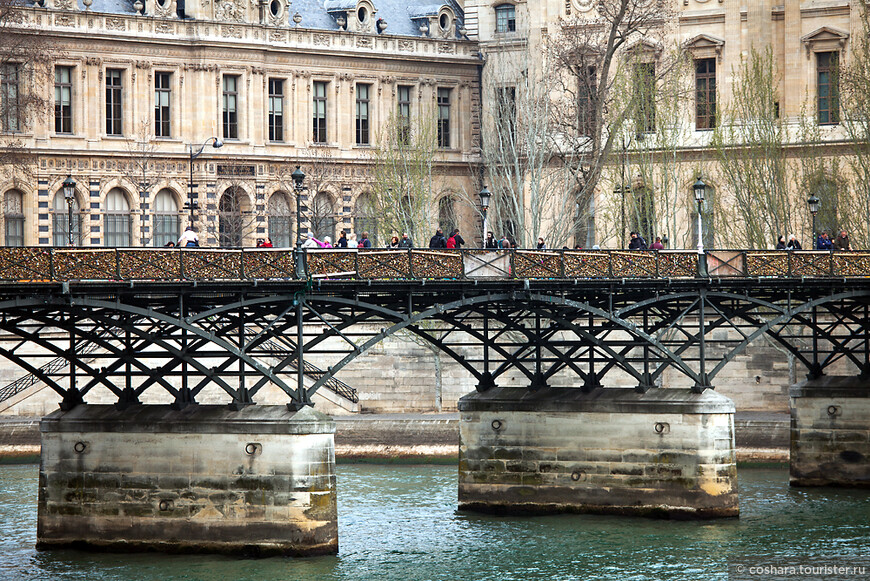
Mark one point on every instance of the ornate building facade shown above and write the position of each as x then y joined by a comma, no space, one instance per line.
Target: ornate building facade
810,41
143,92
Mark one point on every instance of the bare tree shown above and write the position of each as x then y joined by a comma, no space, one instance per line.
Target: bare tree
648,167
589,60
231,218
140,167
855,103
750,142
25,69
532,192
403,170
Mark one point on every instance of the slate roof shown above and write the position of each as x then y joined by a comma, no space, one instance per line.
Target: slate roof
399,14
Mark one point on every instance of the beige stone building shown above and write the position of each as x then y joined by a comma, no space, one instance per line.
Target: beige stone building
809,41
142,93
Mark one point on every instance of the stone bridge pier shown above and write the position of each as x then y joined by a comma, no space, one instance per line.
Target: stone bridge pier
663,453
830,432
254,482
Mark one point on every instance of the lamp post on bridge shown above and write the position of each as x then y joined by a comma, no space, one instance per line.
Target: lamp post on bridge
298,178
814,203
700,190
193,155
485,196
69,194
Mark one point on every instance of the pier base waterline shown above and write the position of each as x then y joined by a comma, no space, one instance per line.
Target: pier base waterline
664,453
205,479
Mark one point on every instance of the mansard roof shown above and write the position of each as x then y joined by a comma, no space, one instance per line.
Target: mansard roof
401,16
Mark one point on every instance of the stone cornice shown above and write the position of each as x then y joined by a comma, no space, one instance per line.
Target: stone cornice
123,27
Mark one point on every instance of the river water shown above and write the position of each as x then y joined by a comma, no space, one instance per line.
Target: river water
400,522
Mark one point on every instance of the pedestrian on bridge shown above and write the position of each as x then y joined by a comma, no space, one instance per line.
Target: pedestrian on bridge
780,243
491,242
793,243
188,238
438,241
824,242
405,242
842,241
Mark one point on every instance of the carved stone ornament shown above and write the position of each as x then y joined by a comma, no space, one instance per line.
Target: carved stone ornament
164,8
63,4
584,5
116,24
64,20
228,11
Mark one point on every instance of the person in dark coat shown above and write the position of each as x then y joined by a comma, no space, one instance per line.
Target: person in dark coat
458,239
780,244
636,242
824,242
405,242
342,240
793,243
490,242
438,241
842,241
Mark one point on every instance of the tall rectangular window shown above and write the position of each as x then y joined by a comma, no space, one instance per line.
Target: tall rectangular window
404,113
276,110
443,117
505,18
113,102
705,93
10,106
506,114
645,82
231,107
587,92
63,100
362,114
828,87
162,104
319,112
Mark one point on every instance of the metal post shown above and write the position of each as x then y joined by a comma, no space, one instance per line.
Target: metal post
700,231
298,178
190,202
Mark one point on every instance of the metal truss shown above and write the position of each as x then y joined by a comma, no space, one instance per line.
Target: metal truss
242,336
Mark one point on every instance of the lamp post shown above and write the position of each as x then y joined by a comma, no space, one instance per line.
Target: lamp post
69,194
298,177
193,155
700,189
485,196
814,202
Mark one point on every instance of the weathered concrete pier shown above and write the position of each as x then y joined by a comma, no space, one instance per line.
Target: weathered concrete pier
830,432
667,453
257,482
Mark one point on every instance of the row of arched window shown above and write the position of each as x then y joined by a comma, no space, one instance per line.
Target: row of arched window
115,223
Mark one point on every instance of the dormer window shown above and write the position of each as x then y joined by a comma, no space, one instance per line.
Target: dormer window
505,18
362,14
444,21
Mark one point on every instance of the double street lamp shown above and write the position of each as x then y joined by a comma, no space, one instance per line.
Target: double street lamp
192,204
69,194
485,196
298,178
814,202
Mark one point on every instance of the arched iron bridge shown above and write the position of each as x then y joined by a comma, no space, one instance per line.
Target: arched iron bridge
181,320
